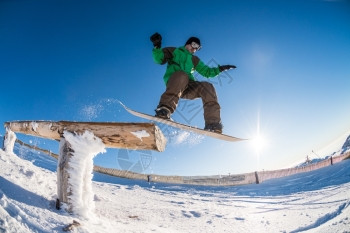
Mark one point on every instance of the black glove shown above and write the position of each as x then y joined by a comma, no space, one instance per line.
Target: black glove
227,67
156,39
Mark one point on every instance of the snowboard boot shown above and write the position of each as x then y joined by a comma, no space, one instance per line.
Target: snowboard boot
163,112
214,127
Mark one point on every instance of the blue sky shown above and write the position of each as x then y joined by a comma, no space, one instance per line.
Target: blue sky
72,60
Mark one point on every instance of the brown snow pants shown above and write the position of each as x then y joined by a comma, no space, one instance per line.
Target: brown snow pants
179,86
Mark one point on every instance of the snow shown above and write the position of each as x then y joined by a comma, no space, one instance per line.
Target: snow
346,145
35,126
85,147
141,134
9,141
91,112
316,201
181,137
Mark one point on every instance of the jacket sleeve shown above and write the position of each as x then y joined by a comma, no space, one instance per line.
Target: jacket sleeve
162,56
207,71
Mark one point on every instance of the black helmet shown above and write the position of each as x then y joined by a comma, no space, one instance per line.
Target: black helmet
193,39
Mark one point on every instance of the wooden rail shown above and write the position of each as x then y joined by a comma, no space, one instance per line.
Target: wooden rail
136,136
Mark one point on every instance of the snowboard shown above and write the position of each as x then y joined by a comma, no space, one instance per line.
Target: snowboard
183,126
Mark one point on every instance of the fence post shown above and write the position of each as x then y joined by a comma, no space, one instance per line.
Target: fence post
63,189
9,140
257,177
3,142
4,139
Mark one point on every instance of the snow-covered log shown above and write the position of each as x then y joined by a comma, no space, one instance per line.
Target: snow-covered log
142,136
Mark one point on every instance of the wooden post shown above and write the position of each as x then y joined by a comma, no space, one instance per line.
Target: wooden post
9,141
257,178
63,189
3,141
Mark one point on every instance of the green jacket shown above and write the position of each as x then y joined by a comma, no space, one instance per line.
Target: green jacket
181,59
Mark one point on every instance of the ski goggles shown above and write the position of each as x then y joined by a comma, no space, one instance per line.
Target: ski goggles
195,46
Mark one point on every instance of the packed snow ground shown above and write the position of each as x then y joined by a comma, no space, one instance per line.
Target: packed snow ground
316,201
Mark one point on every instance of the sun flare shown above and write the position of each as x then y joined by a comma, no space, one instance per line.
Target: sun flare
259,140
259,143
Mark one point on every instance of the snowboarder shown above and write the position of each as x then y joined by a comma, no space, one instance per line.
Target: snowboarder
180,82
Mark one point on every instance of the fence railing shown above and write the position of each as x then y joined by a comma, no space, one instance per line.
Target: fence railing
217,180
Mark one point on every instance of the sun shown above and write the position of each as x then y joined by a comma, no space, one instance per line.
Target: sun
259,142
